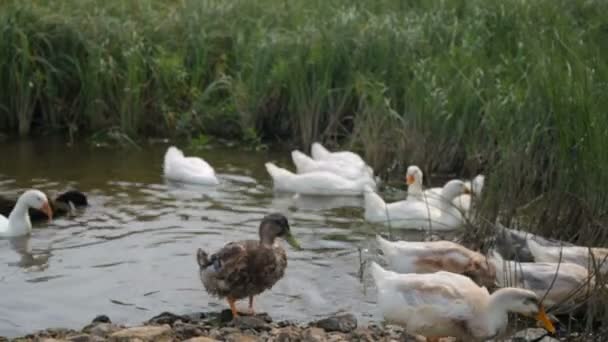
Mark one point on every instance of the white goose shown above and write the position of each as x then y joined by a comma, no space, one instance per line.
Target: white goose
463,202
18,222
572,254
316,183
567,283
417,214
319,152
445,304
305,164
433,256
195,170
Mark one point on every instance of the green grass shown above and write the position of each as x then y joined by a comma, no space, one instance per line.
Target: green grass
519,85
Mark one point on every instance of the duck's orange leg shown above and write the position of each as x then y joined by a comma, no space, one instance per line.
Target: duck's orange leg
251,311
231,302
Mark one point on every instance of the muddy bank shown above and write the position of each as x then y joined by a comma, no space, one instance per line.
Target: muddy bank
209,327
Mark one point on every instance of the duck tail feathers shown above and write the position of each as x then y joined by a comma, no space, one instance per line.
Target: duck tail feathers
302,162
202,258
173,154
378,273
318,151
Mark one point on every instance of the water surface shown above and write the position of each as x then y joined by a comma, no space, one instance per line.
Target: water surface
130,255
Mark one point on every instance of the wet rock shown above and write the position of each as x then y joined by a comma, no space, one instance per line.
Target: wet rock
100,329
250,322
238,337
50,339
143,333
532,334
201,339
167,318
84,338
288,334
185,331
342,323
337,337
364,335
314,334
101,319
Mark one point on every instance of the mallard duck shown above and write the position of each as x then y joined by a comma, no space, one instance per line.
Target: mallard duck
316,183
445,304
433,256
565,284
247,268
583,256
194,170
417,214
18,222
305,164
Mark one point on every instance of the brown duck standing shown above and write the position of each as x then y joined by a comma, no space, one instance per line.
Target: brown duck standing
247,268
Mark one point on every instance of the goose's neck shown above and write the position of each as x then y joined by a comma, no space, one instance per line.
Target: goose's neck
495,315
415,189
19,218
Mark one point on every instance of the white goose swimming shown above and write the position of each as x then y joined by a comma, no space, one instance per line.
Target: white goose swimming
305,164
319,152
194,170
417,214
433,256
316,183
445,304
18,222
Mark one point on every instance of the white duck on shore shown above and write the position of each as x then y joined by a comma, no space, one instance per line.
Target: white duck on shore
446,304
417,214
433,256
321,183
193,170
18,222
565,284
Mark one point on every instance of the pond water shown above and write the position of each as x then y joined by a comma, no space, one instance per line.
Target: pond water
130,254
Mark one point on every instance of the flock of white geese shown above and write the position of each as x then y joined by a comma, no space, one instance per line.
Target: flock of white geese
434,289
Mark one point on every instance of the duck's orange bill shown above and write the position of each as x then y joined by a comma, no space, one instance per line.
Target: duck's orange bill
544,319
46,208
409,179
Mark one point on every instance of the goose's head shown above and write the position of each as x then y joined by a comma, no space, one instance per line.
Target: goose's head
524,302
454,188
413,175
36,199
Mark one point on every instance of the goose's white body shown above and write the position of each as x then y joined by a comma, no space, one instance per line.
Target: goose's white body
319,152
194,170
321,183
410,214
18,222
446,304
433,256
570,254
463,202
305,164
567,283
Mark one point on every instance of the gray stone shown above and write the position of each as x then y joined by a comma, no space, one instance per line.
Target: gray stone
343,323
250,322
143,333
314,334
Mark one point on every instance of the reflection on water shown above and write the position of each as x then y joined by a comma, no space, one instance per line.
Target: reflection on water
130,254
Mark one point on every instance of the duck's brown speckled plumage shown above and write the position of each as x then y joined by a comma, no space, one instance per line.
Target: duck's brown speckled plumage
247,268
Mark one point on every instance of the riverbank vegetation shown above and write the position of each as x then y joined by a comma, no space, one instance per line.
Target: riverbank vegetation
516,89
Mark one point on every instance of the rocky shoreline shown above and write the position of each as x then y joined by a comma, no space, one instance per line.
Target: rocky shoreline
209,327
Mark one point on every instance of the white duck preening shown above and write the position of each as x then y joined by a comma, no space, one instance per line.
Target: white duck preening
305,164
565,284
319,152
463,202
316,183
433,256
18,222
445,304
194,170
588,257
418,214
